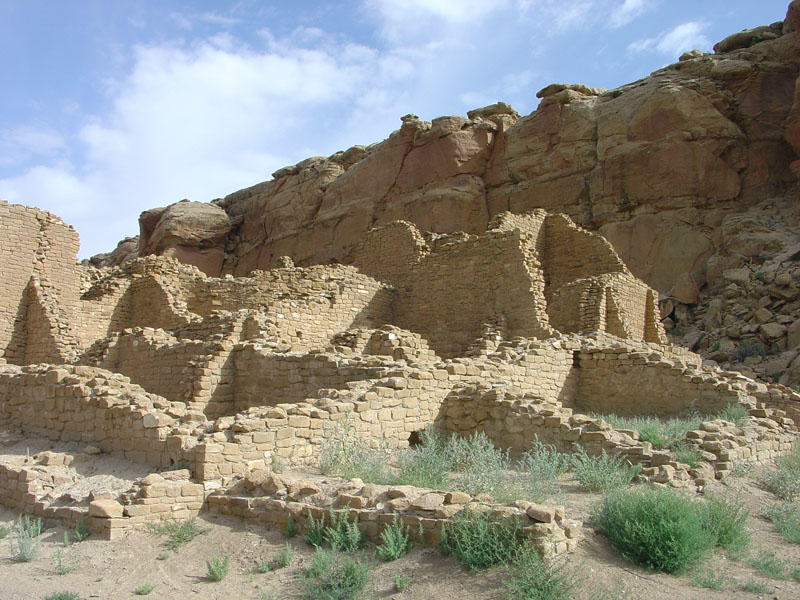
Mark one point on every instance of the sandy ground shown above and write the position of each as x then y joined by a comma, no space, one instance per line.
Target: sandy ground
114,569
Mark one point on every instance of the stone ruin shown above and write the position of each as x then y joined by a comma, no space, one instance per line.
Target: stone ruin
211,382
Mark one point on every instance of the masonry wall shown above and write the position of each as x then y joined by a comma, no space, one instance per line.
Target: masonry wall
36,246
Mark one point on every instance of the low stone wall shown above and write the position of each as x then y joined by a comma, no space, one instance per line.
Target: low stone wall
270,499
24,488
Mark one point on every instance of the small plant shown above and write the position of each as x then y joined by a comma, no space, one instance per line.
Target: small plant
217,567
786,518
748,350
27,538
784,481
755,587
64,564
478,542
81,530
335,576
395,540
656,528
4,531
63,596
163,555
401,582
278,465
178,533
686,454
770,565
262,566
602,472
291,527
342,534
144,589
618,592
530,578
315,530
735,413
267,595
709,580
539,469
284,556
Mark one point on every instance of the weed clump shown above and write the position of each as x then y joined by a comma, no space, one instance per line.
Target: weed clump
26,539
784,481
315,530
177,533
335,576
217,567
342,534
284,556
144,589
786,518
395,540
531,578
602,472
478,542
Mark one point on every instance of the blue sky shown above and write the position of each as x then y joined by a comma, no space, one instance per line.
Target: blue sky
112,107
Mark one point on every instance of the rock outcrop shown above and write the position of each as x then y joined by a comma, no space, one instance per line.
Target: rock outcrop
667,168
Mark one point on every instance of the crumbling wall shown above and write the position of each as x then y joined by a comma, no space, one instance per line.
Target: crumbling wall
39,287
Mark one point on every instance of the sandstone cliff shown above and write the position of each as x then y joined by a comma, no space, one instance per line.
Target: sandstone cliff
684,172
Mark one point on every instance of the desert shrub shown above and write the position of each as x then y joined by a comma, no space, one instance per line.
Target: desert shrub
602,472
395,540
735,413
284,556
27,538
784,480
755,587
335,576
429,463
539,469
315,530
709,579
786,518
478,466
177,533
217,567
531,578
342,534
144,589
662,433
656,528
686,454
63,596
4,531
727,523
64,563
478,541
346,455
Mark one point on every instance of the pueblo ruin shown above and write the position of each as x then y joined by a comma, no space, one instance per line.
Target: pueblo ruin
615,251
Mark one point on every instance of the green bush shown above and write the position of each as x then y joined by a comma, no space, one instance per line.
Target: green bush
656,528
784,481
335,576
262,565
786,518
27,538
217,567
429,464
686,454
395,540
602,472
735,413
63,596
478,541
144,589
291,527
342,534
538,471
662,433
727,523
531,578
315,530
346,455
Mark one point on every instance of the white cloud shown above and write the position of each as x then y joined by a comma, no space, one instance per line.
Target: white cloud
24,143
628,11
676,41
198,122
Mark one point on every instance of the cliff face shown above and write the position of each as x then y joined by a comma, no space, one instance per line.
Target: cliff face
667,168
